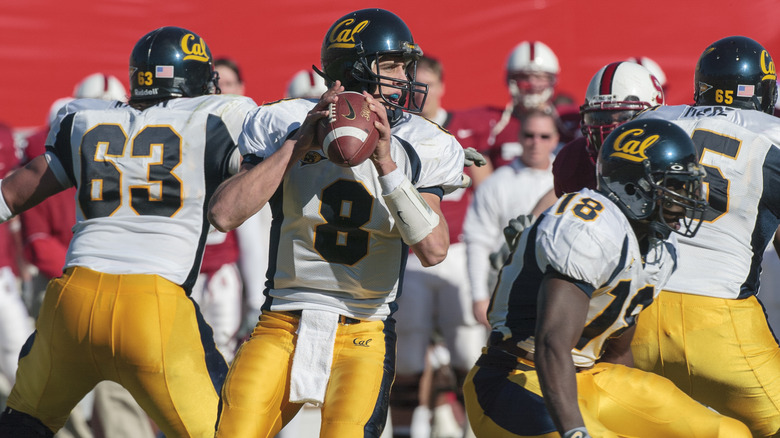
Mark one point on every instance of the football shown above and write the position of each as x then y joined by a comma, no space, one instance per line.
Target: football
348,134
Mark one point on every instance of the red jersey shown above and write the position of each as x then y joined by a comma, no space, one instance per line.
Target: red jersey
48,227
215,255
573,168
497,135
455,204
8,162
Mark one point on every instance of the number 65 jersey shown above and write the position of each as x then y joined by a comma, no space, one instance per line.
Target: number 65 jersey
739,149
585,239
147,173
335,245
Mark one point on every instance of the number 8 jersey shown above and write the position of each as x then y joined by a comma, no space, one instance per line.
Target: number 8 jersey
586,239
149,172
335,245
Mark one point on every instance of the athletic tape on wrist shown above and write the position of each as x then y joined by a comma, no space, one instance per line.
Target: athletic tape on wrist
5,211
391,181
413,216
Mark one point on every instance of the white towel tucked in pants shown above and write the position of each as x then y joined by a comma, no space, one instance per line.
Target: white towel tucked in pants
313,356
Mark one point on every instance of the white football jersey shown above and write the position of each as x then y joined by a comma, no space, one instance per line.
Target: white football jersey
335,245
738,148
143,180
510,191
585,238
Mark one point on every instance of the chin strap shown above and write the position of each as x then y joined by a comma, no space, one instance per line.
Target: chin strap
394,115
659,230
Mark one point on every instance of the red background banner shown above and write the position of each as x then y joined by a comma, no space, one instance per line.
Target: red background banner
48,46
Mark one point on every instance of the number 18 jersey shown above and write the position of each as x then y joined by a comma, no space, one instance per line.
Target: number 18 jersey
143,180
586,239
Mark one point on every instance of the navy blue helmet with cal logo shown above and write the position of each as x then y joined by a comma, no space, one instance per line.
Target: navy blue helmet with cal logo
171,62
353,46
738,72
647,164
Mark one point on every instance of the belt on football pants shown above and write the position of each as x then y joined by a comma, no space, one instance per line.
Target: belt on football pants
343,320
500,358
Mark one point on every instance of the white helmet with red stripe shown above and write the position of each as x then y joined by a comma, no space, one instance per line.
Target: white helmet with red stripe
654,68
100,86
306,84
532,58
615,94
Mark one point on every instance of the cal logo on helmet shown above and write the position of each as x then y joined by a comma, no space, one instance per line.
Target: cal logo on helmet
631,145
343,34
195,51
767,66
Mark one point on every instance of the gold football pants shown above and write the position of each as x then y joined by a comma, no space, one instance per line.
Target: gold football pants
615,401
720,352
257,390
140,331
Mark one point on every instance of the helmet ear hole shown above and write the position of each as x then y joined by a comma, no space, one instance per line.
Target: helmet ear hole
630,189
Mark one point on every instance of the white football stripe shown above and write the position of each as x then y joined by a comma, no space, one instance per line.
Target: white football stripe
342,131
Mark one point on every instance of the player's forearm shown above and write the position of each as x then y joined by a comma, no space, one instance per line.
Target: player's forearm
244,194
557,378
26,187
432,250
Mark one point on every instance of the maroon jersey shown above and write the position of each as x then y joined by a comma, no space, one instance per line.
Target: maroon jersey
218,254
497,135
573,168
8,162
455,204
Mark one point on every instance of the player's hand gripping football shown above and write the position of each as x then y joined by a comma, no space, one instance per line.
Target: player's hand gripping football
381,157
306,136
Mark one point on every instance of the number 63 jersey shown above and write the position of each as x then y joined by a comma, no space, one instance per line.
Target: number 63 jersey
143,180
335,245
738,148
585,239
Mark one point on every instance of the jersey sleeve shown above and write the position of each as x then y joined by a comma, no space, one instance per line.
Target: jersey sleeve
442,159
234,113
585,251
267,127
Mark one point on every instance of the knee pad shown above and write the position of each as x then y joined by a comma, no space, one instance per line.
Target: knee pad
20,425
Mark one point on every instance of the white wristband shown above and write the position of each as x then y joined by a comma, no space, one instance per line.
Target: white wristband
391,181
413,216
5,211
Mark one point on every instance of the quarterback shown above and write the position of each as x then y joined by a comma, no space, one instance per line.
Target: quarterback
340,237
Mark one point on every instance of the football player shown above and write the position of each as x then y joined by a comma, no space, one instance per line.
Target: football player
615,94
340,237
306,84
143,172
708,332
531,75
562,315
